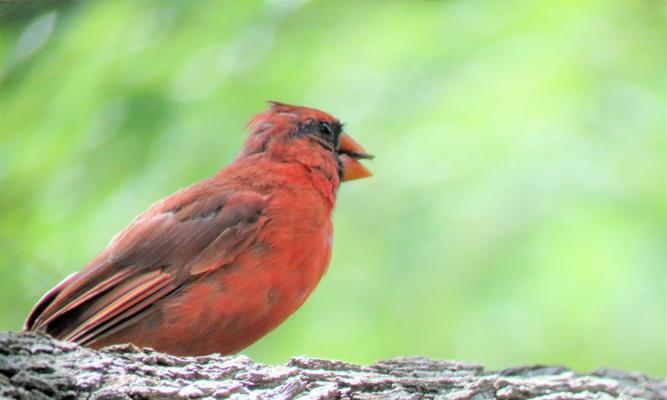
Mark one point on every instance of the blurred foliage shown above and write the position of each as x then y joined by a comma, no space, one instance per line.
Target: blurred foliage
518,211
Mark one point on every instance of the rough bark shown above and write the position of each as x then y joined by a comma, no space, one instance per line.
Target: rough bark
33,366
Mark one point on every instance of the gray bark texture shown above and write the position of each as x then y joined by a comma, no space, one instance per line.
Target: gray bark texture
34,366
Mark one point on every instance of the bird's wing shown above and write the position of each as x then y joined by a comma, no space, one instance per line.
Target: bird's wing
196,230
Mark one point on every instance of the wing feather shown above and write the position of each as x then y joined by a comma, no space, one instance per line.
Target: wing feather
129,316
56,309
194,231
127,298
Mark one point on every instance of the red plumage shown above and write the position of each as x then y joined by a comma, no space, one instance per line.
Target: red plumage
217,265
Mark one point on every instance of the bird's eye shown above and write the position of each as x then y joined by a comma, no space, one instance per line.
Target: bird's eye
326,130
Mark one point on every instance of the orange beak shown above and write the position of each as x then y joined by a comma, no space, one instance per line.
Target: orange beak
350,152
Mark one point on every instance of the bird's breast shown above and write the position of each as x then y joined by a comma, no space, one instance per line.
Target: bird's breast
233,305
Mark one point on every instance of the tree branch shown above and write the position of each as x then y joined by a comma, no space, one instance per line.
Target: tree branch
34,366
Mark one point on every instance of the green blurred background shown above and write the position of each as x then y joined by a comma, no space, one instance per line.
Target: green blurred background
517,214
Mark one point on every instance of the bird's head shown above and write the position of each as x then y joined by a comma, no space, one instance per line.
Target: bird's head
288,131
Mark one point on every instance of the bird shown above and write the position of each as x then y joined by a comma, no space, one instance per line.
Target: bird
215,266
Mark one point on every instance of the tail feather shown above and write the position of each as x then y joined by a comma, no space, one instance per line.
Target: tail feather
44,302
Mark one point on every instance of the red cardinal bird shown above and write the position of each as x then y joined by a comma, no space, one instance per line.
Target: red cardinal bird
217,265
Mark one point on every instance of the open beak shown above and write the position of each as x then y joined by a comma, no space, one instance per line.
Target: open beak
350,153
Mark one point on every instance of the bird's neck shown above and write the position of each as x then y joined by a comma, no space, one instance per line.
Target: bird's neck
266,172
